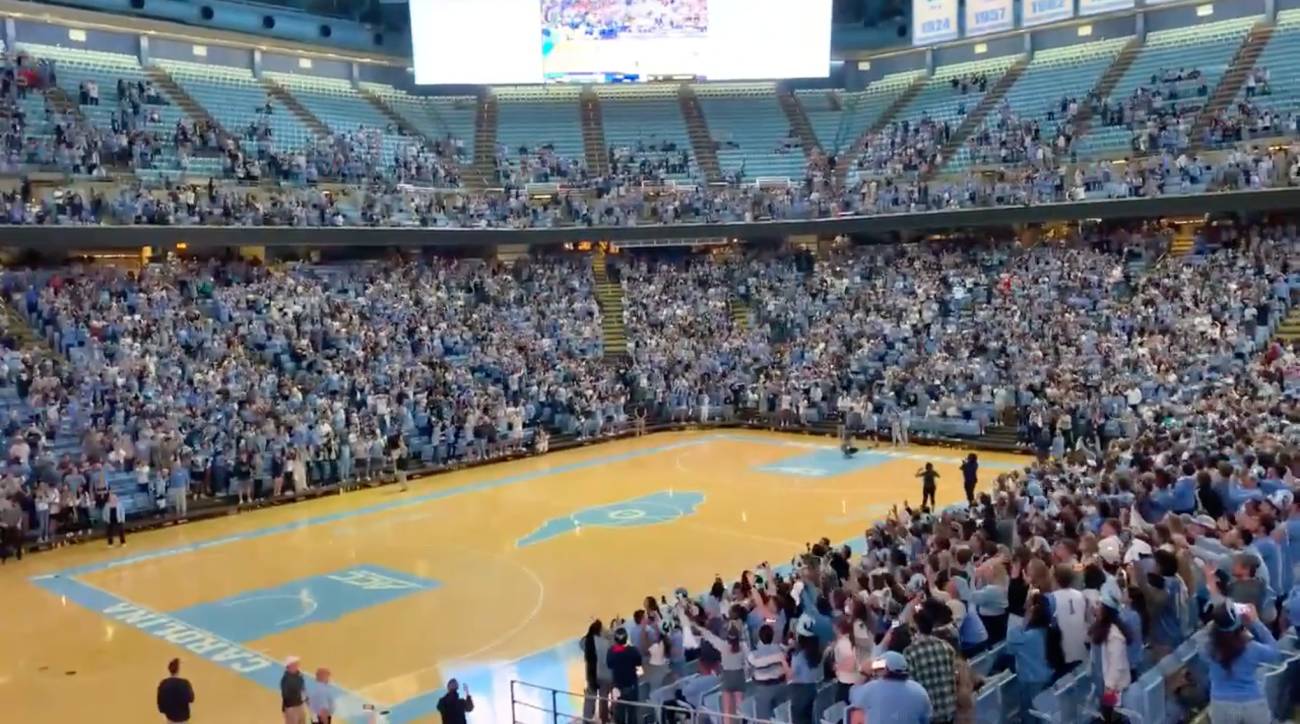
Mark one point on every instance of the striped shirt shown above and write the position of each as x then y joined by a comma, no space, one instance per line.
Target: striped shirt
766,660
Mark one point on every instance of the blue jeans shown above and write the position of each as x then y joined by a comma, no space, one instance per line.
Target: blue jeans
1025,693
43,525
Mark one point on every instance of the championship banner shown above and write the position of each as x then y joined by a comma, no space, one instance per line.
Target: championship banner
1040,12
1093,7
933,21
989,16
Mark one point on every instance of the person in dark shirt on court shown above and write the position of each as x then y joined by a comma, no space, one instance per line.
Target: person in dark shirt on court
623,661
970,477
451,707
929,484
293,693
175,695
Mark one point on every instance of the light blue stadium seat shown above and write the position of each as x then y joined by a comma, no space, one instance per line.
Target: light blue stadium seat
532,117
633,115
79,65
1208,47
835,714
435,116
1053,74
751,129
991,699
234,97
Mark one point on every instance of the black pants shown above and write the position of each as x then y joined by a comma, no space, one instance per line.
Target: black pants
623,713
970,492
927,494
115,524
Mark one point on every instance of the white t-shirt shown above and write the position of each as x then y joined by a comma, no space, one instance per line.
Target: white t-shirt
1071,618
846,662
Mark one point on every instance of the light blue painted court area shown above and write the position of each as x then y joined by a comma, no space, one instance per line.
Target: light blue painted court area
653,509
825,463
317,599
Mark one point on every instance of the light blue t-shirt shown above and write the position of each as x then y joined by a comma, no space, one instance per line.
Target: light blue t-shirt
1238,682
892,701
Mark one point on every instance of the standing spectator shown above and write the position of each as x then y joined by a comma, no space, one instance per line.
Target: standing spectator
1239,644
293,693
320,697
1110,641
970,476
770,672
929,484
178,489
11,530
623,661
1032,646
175,695
805,672
114,519
595,646
1069,606
451,707
893,697
933,663
844,659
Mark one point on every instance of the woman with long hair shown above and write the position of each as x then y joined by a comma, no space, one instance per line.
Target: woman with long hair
847,672
1030,646
805,672
594,646
1239,644
735,651
1109,636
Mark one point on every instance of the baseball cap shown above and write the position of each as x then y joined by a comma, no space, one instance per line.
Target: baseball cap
291,660
1281,499
1205,521
1137,549
895,662
1110,549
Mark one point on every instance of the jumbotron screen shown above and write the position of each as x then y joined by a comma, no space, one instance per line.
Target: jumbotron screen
609,41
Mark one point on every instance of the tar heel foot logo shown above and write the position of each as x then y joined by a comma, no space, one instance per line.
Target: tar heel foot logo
206,644
662,507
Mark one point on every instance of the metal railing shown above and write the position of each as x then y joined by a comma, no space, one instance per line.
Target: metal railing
536,704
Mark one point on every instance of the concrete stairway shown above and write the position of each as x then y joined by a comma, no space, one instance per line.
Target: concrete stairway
1106,85
485,139
887,116
183,100
1288,332
1000,437
26,337
1243,62
975,117
284,98
706,156
609,297
392,115
593,132
1183,244
798,118
739,314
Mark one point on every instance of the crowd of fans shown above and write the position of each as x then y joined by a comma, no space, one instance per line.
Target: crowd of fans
1166,501
1163,487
